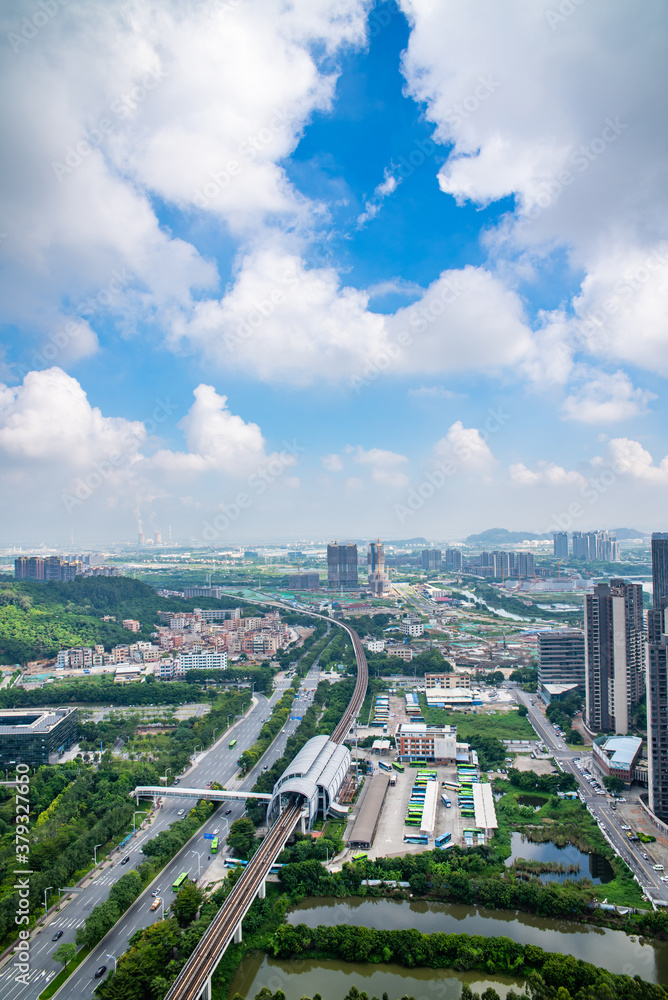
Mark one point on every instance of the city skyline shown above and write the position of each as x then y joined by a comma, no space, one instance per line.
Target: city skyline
342,275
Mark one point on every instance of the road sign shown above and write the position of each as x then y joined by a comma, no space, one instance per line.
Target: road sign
208,836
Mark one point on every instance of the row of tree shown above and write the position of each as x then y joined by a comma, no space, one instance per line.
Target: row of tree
493,955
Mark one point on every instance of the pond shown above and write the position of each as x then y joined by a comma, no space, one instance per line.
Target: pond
592,866
609,949
533,801
332,979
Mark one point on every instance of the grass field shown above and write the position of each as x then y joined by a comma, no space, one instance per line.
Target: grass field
504,726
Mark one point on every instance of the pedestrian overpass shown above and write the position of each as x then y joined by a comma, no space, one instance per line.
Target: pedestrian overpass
213,794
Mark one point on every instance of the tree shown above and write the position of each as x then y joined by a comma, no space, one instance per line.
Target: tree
523,711
574,737
241,837
613,783
65,953
187,903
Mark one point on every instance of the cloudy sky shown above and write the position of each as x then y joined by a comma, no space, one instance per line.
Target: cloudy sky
332,268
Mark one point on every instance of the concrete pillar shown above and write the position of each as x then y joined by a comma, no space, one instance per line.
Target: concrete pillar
206,992
302,823
237,934
262,891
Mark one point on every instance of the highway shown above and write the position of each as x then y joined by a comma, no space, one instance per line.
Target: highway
196,974
599,805
215,764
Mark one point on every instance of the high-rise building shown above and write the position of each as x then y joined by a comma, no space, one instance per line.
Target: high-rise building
526,564
657,679
601,545
378,580
304,581
432,559
614,655
561,657
657,709
453,559
659,569
560,540
342,566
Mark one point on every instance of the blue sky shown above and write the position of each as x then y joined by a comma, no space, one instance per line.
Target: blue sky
398,239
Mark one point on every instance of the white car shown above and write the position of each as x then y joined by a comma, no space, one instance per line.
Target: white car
180,812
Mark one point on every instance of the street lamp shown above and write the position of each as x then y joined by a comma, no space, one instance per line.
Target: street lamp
113,958
199,856
214,737
195,748
45,892
167,771
141,813
95,852
231,715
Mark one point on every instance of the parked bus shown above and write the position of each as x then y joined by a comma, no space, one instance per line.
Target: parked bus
178,882
445,838
231,745
398,767
360,857
418,763
383,766
446,801
214,845
416,839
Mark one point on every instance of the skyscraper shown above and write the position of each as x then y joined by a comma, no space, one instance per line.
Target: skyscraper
560,544
657,710
614,655
657,680
659,569
561,657
378,580
453,559
432,559
342,566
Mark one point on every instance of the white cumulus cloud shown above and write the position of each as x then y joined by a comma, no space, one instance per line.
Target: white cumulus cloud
605,399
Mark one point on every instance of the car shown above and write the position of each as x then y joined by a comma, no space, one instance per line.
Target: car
664,878
621,799
266,767
176,781
645,856
156,903
100,972
125,859
658,868
180,812
156,892
57,936
623,827
215,832
227,812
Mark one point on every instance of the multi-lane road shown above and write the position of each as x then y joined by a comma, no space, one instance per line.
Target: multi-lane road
636,855
218,763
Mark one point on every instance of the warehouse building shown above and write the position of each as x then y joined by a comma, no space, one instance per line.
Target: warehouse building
36,736
366,824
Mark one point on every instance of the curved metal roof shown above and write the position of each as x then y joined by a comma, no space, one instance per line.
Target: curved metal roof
301,786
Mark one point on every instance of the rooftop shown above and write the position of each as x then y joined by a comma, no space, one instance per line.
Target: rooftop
622,749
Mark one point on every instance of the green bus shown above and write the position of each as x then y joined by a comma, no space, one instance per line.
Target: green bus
179,881
214,845
360,857
231,745
398,767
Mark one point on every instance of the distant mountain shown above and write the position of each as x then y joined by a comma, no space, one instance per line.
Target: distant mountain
501,536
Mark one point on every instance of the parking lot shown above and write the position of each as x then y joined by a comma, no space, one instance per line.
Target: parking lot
389,839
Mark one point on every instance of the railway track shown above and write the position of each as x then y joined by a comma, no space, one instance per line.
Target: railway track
195,975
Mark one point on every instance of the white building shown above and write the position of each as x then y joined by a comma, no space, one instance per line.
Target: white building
375,645
203,660
412,628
